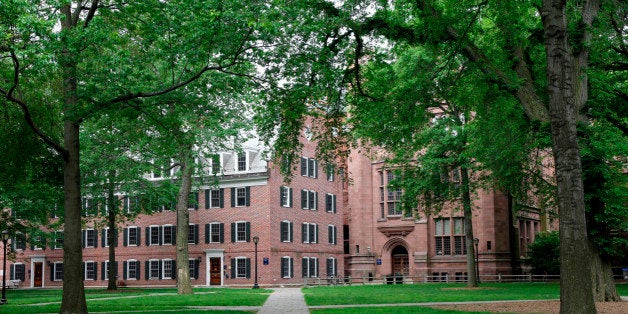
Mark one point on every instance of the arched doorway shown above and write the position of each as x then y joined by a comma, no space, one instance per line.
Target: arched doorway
400,261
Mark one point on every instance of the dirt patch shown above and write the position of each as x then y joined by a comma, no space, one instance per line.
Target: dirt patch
550,307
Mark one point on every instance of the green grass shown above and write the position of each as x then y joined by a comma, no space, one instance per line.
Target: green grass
418,293
388,309
148,300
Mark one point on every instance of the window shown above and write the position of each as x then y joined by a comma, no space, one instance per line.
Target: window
240,267
152,267
192,234
240,231
390,198
168,234
287,267
90,238
309,267
330,203
285,195
89,207
193,200
240,197
242,162
17,271
286,231
309,232
57,271
105,238
214,198
309,199
214,232
90,270
331,234
132,236
58,239
168,269
105,270
193,265
215,164
309,167
132,269
332,267
153,235
19,242
131,204
443,236
38,243
329,171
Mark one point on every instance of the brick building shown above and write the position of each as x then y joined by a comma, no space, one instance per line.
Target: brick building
314,227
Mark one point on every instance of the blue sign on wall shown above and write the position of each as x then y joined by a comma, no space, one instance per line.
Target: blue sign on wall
265,260
379,261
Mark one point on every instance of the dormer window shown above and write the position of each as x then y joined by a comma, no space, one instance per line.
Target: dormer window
242,162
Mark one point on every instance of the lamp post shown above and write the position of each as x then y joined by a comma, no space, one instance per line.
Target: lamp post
5,238
477,259
255,241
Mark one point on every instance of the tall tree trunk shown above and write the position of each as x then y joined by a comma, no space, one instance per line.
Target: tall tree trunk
468,228
576,292
184,285
604,288
112,204
73,298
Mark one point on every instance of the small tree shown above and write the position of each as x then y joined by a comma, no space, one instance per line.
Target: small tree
544,254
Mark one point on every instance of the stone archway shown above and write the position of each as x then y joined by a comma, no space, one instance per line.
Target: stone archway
400,260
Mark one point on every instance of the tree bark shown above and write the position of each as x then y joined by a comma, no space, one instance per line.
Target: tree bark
576,293
468,229
112,204
184,285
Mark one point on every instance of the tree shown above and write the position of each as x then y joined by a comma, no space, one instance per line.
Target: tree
543,254
95,57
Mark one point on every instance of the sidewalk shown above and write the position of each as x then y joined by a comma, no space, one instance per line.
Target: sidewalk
285,300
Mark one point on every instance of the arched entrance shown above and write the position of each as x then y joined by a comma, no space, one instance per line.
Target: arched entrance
400,261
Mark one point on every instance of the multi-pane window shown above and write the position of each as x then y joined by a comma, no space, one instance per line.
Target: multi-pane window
57,271
390,198
241,267
90,270
332,267
309,199
192,234
105,270
329,171
242,161
38,243
168,267
330,203
286,231
214,232
168,234
19,241
215,164
193,266
90,238
309,232
153,235
17,271
309,167
287,267
130,203
309,267
285,195
132,236
331,234
105,237
214,198
443,236
153,268
58,239
240,196
132,270
240,231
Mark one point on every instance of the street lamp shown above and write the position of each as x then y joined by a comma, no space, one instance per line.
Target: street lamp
255,241
477,259
5,238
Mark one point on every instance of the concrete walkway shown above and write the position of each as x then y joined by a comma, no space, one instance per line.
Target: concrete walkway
285,300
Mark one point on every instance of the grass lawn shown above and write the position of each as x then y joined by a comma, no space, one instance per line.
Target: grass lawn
149,300
433,292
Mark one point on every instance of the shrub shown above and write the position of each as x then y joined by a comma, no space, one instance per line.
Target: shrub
544,254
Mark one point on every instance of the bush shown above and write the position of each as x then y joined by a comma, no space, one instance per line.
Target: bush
543,254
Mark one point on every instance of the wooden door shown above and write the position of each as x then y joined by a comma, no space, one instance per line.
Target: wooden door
400,264
38,271
214,271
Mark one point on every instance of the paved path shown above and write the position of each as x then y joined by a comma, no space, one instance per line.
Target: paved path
285,300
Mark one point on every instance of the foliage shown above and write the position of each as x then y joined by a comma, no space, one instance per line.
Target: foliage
543,254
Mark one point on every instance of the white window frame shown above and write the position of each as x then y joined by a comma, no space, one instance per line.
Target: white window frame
212,226
106,270
88,238
131,263
191,233
169,262
58,238
86,271
163,234
290,231
285,196
211,198
332,208
335,234
240,263
56,271
128,236
246,162
289,271
239,197
240,232
151,269
16,276
150,234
